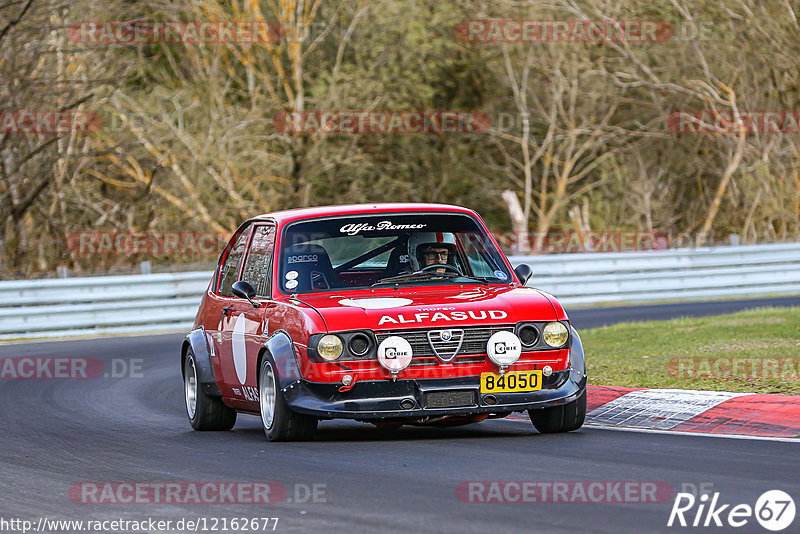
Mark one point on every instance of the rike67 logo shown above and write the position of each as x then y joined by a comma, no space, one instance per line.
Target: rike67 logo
774,510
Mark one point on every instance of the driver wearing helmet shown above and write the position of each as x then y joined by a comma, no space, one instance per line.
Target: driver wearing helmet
431,248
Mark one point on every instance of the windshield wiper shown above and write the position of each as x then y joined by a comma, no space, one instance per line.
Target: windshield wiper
407,277
413,277
483,279
477,278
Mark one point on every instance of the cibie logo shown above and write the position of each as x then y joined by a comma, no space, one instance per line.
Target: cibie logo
500,348
392,353
774,510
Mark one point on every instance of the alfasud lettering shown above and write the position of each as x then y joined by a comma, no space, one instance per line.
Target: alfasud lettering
441,316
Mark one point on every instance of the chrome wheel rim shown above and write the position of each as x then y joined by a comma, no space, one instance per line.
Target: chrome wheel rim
190,388
267,395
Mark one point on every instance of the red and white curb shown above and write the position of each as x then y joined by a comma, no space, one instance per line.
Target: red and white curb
707,412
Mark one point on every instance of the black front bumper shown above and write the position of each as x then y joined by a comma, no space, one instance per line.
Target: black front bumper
424,398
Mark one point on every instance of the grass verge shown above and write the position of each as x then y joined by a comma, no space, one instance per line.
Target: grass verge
755,351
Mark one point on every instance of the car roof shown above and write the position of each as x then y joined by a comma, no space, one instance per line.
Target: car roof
350,209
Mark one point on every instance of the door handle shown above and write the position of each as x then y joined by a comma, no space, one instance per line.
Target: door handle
226,311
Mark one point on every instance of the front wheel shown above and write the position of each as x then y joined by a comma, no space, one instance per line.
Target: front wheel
560,418
280,423
205,412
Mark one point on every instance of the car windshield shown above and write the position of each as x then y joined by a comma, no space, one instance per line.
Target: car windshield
364,251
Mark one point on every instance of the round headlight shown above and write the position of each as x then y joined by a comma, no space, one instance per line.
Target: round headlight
528,335
555,334
330,347
359,345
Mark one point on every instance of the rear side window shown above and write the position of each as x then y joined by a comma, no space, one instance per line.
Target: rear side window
258,266
230,269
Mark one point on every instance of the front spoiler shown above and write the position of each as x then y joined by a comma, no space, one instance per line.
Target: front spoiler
381,399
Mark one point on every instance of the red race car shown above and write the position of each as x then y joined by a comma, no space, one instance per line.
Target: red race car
387,313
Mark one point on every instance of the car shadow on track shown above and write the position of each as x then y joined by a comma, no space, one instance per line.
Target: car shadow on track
350,431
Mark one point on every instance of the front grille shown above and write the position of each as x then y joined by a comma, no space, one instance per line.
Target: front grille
449,399
432,362
473,342
445,343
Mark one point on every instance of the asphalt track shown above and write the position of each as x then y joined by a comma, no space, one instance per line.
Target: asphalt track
57,433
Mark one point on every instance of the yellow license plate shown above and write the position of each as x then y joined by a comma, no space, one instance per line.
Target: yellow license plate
510,382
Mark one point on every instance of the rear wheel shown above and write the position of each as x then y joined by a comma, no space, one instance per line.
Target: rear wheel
560,418
280,423
205,412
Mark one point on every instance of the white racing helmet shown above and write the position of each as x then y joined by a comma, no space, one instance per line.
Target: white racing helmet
417,243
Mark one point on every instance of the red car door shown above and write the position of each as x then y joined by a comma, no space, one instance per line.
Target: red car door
221,306
244,327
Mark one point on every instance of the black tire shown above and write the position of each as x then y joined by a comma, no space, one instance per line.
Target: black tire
560,418
284,424
205,412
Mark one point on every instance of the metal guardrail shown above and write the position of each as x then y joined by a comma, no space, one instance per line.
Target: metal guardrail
159,302
100,304
677,274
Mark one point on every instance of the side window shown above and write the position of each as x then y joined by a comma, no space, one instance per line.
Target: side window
230,269
258,266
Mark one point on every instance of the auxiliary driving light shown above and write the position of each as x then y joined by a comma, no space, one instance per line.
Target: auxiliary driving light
347,380
547,370
394,354
555,334
503,348
330,347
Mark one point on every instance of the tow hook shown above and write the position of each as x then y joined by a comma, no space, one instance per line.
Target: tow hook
348,381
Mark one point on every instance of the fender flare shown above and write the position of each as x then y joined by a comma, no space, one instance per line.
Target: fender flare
197,340
281,348
577,358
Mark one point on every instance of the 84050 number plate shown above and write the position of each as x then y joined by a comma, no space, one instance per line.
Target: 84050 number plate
511,382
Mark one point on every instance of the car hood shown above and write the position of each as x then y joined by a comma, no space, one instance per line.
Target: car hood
443,307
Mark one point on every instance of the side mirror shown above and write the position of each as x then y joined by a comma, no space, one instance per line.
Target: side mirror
523,272
244,290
